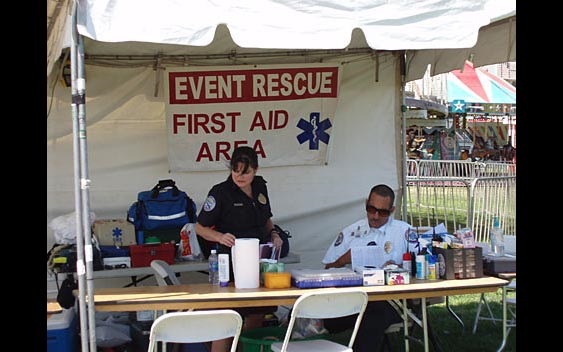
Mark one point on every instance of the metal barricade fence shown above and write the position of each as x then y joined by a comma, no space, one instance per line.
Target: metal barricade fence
459,168
461,194
490,197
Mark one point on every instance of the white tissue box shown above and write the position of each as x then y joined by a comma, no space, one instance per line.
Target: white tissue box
371,276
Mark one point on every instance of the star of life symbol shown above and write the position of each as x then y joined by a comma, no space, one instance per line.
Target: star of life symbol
117,236
314,130
458,106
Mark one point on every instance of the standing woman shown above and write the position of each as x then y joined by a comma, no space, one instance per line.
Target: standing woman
238,207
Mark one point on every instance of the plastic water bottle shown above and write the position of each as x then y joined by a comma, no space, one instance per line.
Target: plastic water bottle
496,237
224,273
213,268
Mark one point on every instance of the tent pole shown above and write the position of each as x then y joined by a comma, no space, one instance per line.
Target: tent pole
77,194
403,154
85,188
81,191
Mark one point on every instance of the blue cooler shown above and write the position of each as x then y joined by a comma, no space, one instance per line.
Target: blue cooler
62,331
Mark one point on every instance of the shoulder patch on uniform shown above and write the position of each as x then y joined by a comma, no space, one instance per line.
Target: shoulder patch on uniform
209,203
339,240
262,199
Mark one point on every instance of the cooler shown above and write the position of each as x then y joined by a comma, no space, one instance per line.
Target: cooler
62,331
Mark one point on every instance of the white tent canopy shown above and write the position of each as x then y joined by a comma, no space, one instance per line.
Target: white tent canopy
125,41
129,45
440,33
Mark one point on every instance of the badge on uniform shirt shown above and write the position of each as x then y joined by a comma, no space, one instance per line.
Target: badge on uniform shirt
262,199
388,247
209,203
339,239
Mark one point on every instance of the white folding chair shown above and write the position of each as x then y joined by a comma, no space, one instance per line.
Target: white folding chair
510,249
323,305
163,273
510,311
196,327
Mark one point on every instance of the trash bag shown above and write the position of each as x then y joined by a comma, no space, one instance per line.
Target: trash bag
64,227
65,297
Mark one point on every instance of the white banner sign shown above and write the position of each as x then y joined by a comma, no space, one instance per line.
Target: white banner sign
285,112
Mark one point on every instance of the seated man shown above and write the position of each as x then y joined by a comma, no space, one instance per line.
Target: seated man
380,229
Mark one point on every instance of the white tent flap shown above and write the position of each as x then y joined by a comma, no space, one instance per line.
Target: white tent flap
420,24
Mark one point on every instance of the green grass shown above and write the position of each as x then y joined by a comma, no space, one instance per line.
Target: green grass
428,206
452,336
458,205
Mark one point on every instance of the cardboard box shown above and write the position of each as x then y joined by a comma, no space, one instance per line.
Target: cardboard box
114,232
397,277
143,254
277,280
459,263
371,276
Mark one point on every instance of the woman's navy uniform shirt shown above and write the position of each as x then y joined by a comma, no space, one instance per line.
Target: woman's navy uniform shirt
228,209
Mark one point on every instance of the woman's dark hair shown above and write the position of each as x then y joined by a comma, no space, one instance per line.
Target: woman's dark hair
245,155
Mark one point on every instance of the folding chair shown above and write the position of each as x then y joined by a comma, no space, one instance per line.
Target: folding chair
322,305
195,327
511,309
509,247
164,275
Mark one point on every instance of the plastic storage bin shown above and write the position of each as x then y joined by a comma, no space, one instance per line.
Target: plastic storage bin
62,331
260,339
335,277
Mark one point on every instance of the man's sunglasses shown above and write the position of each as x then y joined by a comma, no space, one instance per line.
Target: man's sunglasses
382,212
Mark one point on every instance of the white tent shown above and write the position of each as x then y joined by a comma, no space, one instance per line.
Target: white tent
129,44
124,41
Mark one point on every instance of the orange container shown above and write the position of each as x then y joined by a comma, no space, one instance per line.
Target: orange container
277,280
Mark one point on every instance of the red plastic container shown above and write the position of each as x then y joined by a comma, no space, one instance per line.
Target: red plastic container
143,254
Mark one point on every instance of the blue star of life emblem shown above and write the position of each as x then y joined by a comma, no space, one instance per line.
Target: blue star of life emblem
458,106
314,130
116,234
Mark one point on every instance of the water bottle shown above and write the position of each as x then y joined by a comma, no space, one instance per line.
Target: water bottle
224,271
213,268
496,237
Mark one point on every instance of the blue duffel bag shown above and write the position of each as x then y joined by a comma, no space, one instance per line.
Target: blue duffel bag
163,207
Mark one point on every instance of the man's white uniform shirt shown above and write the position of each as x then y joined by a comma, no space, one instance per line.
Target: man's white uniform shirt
392,237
